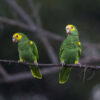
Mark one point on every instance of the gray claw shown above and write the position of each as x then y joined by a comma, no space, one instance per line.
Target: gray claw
79,64
62,64
36,64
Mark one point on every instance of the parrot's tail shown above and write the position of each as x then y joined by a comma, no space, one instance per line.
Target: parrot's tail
36,72
64,75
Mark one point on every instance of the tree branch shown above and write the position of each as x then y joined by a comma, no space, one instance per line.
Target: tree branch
3,72
51,65
51,68
35,11
20,24
26,75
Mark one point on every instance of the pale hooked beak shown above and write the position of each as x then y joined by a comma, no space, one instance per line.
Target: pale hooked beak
68,31
14,40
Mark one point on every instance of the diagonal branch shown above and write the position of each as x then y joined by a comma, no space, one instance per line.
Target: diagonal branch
3,72
35,12
21,12
26,75
27,27
49,48
27,19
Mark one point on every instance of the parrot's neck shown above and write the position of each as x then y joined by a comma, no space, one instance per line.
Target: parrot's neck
22,43
72,39
75,37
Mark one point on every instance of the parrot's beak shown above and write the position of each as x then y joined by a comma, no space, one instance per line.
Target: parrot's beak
68,31
14,40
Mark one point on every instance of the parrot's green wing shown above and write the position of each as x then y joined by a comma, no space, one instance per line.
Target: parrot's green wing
60,52
35,50
64,73
79,48
34,69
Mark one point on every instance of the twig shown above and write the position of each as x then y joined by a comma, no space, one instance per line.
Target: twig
51,65
26,75
48,46
21,12
3,72
35,12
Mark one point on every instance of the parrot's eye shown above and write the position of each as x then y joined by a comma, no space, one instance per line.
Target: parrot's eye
16,35
71,27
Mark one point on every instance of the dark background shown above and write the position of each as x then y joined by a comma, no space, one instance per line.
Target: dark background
52,16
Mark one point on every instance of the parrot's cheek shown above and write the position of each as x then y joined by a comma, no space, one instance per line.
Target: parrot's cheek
68,31
14,40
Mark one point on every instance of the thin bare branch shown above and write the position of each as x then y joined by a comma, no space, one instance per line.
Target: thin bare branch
26,75
27,27
35,11
51,68
51,53
3,72
49,48
21,12
51,65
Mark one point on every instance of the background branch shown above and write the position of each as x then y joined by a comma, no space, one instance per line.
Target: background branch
51,68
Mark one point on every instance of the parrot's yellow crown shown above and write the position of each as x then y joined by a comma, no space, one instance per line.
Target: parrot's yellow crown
70,27
17,36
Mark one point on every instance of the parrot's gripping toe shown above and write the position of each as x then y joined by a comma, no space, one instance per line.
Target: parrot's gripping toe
36,64
62,64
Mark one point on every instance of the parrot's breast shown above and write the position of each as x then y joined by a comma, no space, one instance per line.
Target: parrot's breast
25,52
69,55
70,50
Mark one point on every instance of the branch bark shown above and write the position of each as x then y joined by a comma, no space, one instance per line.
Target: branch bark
51,65
50,68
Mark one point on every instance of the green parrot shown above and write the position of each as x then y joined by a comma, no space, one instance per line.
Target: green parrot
28,52
70,52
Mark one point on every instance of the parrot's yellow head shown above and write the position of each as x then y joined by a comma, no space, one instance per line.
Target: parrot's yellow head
69,29
16,37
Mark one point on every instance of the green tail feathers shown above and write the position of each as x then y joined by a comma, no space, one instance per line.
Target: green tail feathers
36,72
64,75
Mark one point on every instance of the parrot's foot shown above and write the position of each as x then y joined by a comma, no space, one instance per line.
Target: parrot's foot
36,64
62,64
19,61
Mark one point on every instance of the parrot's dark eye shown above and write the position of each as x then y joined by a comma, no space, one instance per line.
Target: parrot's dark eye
16,35
71,27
